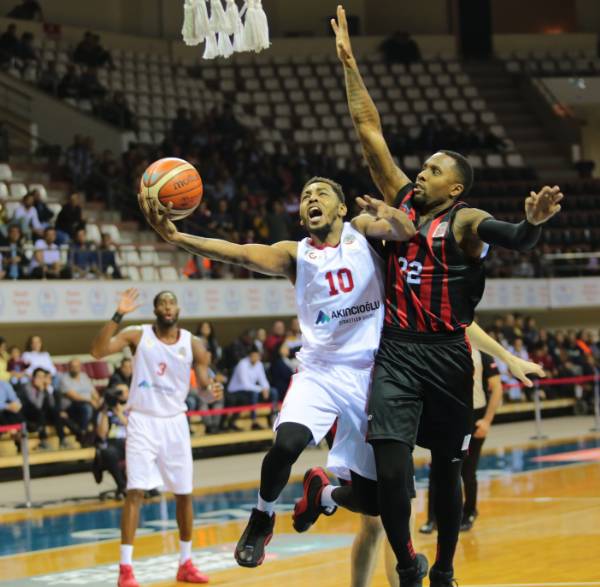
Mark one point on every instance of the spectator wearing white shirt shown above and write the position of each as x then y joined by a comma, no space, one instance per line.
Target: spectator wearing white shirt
36,357
248,383
46,262
27,218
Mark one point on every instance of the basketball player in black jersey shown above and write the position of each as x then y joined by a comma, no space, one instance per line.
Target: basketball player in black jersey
422,386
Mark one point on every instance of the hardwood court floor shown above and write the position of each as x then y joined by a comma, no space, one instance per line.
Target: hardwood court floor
539,528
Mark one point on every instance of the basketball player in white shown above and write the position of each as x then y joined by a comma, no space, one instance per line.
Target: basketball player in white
158,449
339,296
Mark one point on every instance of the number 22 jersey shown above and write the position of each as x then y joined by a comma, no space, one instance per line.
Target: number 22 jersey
340,301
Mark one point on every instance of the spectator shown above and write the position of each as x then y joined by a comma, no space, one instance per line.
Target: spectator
524,268
259,340
27,10
4,357
90,87
2,272
237,350
248,383
282,369
294,338
17,368
100,57
41,407
108,259
4,139
180,128
49,79
116,111
45,215
400,48
83,259
83,54
10,406
70,218
121,378
111,432
206,333
222,221
16,262
278,222
518,349
79,396
35,356
26,217
9,43
275,338
79,160
69,84
26,51
46,262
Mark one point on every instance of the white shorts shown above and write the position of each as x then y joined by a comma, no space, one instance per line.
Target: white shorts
159,453
321,394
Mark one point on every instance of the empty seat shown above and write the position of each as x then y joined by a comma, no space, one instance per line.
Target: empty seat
168,274
17,190
5,172
3,191
148,273
148,255
113,231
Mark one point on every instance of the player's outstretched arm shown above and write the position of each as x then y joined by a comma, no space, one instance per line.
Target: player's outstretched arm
388,177
473,227
382,221
277,259
517,366
108,341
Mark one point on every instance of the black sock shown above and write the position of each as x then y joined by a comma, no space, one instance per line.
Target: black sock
394,471
290,441
447,495
361,496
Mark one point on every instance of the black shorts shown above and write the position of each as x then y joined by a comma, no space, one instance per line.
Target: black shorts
422,391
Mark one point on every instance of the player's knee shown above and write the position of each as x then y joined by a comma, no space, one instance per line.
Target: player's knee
135,495
371,526
288,449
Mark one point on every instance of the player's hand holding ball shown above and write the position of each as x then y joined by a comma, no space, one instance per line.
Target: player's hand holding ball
170,189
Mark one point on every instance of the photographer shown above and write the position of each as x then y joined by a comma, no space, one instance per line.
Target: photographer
111,431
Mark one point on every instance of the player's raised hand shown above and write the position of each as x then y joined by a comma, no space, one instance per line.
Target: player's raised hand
540,207
373,206
157,218
520,368
128,301
342,37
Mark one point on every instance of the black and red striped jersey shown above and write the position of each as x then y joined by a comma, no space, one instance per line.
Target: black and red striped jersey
431,285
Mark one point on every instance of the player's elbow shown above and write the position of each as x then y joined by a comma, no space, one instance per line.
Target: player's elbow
96,352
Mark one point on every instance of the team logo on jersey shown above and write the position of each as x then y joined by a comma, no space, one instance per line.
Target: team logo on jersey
440,231
351,314
312,255
144,384
322,318
181,352
349,239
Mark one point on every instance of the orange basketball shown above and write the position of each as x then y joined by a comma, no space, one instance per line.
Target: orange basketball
173,181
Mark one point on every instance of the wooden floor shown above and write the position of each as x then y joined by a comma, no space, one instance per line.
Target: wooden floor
539,528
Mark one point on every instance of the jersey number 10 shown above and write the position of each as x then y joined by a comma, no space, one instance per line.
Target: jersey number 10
344,281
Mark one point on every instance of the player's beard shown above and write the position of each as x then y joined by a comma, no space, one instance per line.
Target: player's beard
163,323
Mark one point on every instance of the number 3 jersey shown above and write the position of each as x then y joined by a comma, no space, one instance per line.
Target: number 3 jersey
161,374
339,298
431,285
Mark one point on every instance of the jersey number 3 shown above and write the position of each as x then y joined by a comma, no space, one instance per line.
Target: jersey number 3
344,281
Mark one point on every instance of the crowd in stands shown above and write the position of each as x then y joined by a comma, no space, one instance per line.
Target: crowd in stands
36,245
562,353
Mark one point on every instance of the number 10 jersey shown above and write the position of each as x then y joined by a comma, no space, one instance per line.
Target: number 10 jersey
340,301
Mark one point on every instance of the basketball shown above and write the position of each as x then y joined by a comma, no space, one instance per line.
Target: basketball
173,181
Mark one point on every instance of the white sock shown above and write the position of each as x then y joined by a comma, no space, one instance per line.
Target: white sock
126,554
185,550
265,506
327,500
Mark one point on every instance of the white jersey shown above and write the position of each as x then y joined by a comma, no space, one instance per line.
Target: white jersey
161,374
340,301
